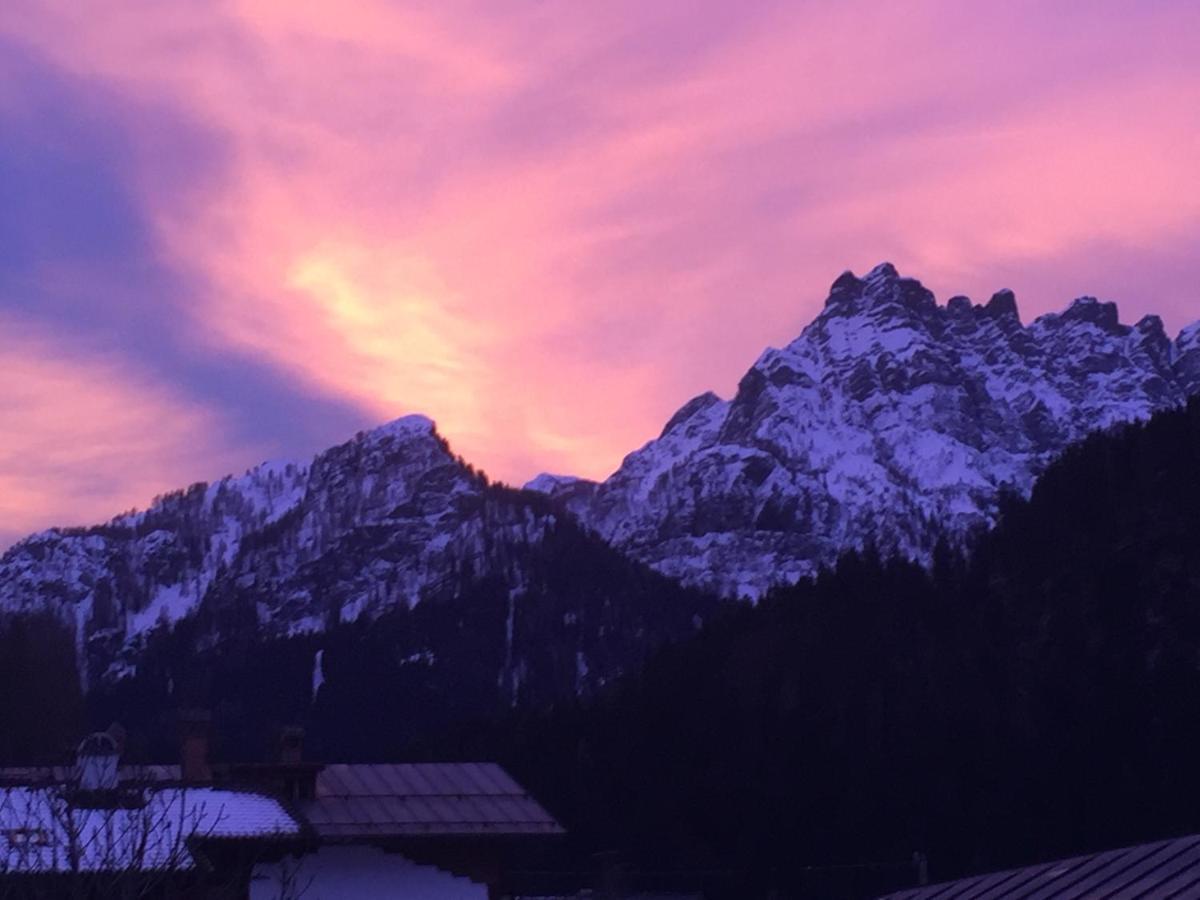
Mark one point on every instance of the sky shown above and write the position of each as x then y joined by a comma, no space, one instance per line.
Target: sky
233,230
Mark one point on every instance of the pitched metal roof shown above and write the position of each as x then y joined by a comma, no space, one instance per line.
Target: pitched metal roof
364,801
1160,870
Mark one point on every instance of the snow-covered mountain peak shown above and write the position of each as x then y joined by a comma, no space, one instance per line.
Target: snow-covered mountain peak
118,581
1002,306
882,273
890,418
880,291
694,407
1103,315
485,588
546,483
403,429
1151,326
1186,356
1189,338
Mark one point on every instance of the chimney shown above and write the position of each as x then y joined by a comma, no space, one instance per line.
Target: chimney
96,763
291,745
298,778
117,732
194,726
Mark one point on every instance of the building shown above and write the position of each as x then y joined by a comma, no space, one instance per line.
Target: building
273,831
442,831
99,831
1165,869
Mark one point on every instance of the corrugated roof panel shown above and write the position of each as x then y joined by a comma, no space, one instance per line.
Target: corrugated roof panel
405,813
957,889
516,809
425,810
490,808
1138,871
1008,883
473,779
420,798
1184,886
352,781
441,779
337,810
493,780
1062,885
351,811
354,778
1023,881
374,810
504,783
460,810
1165,869
1057,876
509,809
412,777
449,780
1148,882
393,780
329,781
1118,868
388,781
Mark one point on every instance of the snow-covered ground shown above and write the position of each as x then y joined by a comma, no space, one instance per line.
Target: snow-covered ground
360,873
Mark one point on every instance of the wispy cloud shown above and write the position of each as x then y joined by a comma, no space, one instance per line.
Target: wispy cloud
548,225
86,437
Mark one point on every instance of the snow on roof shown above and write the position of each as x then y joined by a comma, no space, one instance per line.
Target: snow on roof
46,829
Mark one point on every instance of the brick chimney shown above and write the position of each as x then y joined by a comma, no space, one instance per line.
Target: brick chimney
194,726
291,745
298,778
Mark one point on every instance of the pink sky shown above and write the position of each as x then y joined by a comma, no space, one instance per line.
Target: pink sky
544,225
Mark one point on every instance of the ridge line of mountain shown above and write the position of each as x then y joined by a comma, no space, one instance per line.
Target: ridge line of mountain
889,420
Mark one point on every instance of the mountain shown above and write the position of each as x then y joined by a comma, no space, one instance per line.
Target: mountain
890,419
1033,700
389,524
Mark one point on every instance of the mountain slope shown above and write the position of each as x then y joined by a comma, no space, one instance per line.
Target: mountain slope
1034,700
389,521
890,419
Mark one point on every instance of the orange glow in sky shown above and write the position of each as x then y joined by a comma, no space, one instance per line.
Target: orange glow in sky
247,228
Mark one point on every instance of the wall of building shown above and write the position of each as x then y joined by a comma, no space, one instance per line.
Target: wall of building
350,873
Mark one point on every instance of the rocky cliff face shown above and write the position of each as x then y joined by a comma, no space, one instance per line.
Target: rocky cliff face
890,419
390,520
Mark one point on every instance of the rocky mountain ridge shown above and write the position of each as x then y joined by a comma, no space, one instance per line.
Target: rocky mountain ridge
890,419
388,521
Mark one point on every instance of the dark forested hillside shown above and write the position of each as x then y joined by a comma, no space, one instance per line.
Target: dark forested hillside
1037,697
367,688
41,706
1042,698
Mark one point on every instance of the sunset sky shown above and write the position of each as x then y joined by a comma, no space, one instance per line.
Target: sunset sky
233,230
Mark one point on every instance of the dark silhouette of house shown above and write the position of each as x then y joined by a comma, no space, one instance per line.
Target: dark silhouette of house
281,830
